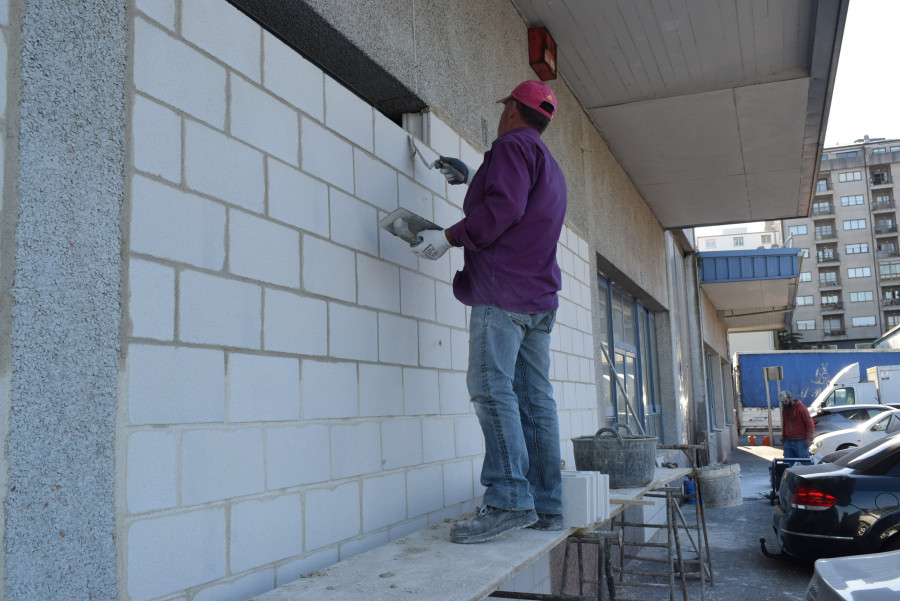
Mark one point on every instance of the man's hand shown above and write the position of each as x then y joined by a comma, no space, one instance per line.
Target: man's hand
454,170
432,244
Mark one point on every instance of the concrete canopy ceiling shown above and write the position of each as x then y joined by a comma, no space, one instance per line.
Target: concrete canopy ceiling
716,108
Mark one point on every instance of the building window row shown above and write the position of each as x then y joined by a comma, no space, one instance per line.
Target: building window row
851,201
859,297
855,249
850,176
854,224
859,272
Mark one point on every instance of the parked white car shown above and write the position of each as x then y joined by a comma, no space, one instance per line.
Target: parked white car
886,422
855,577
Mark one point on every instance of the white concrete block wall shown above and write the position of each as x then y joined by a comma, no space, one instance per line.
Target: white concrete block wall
295,378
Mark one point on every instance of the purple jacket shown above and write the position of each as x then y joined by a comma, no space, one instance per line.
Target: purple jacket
514,212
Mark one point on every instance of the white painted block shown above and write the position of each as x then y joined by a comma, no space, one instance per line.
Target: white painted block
421,392
197,86
353,332
356,546
295,324
156,139
440,269
172,385
265,531
225,32
262,250
573,366
391,144
150,480
469,438
576,491
354,223
292,571
406,528
264,121
425,490
171,224
240,589
445,213
325,155
417,294
454,393
459,341
215,310
151,302
458,482
292,77
162,11
331,515
294,456
376,182
395,250
355,450
434,346
263,388
416,197
348,114
329,269
297,199
438,439
441,136
379,283
174,552
450,311
380,390
384,501
401,442
329,390
397,340
224,167
221,464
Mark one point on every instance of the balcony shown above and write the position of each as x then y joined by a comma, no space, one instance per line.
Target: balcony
883,205
831,307
829,235
835,332
890,302
828,256
880,179
883,230
822,210
890,275
887,253
833,283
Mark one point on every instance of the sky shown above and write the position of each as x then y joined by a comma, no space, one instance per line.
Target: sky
866,97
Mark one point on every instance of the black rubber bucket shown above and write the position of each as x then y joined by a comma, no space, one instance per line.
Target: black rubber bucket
629,460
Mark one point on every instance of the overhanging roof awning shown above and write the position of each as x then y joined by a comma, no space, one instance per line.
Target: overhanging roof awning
752,290
716,108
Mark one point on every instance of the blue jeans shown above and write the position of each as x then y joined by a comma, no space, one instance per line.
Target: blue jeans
796,447
509,383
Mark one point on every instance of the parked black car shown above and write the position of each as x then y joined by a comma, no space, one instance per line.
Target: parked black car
841,417
848,507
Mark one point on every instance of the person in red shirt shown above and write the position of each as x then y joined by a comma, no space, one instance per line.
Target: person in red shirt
796,427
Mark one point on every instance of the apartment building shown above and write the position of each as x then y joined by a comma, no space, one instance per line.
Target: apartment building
739,236
849,290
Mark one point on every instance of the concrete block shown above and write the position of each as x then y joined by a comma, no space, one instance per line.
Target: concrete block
454,393
325,155
239,589
353,332
263,388
297,199
214,310
150,479
349,115
438,439
354,223
442,137
421,392
265,531
577,509
401,442
294,456
331,515
225,32
292,571
416,197
295,324
171,224
469,439
262,250
407,528
395,250
445,213
355,450
329,390
329,269
376,182
362,544
151,302
424,490
380,390
221,464
292,77
417,294
264,121
391,144
379,283
384,501
458,482
197,87
162,11
459,341
397,340
175,552
224,167
434,346
172,385
156,139
449,311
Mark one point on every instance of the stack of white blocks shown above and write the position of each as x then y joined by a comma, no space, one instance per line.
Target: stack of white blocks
585,497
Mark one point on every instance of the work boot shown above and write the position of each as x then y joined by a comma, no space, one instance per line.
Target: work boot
491,522
550,522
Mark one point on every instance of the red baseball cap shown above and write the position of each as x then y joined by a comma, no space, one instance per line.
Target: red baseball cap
535,95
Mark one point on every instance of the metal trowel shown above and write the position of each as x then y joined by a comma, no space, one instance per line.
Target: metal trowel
406,225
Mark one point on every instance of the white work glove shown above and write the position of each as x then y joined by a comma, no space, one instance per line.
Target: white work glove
454,170
432,244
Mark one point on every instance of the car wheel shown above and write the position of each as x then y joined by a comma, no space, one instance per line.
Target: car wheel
891,544
845,446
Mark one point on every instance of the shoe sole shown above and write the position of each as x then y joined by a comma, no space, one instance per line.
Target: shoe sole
517,524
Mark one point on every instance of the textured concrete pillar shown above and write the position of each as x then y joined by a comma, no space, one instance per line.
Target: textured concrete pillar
61,262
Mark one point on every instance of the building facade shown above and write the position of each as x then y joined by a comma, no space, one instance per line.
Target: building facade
849,291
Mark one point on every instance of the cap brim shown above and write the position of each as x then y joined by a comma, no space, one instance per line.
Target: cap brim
504,100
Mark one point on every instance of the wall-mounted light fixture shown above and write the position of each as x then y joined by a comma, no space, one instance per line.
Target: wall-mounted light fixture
542,53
